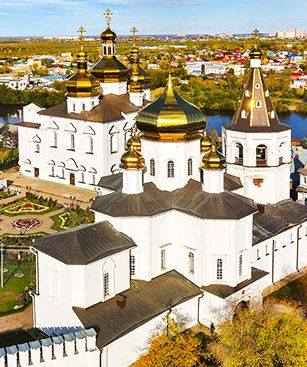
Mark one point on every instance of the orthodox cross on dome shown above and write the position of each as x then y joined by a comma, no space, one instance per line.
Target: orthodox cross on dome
255,33
107,15
81,30
134,31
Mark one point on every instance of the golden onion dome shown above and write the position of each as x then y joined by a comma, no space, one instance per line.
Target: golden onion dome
171,118
205,143
255,53
131,159
213,159
82,83
108,35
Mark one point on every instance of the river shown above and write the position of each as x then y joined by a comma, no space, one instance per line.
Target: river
297,121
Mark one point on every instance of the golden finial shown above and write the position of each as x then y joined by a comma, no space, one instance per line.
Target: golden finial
205,143
213,159
107,15
255,33
134,31
81,30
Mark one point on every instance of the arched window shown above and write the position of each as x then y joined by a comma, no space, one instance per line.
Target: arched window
243,114
90,146
83,106
163,259
170,169
258,104
54,139
152,167
191,262
190,167
106,285
132,265
272,114
82,177
219,269
240,264
73,107
71,142
247,93
37,148
93,179
257,86
261,155
114,143
62,173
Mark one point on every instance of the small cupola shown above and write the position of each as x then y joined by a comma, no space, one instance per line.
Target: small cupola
213,166
132,165
83,89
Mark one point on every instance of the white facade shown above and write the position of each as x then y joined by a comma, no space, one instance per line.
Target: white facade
267,179
70,151
171,164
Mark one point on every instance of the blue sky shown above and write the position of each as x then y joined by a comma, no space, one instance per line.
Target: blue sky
63,17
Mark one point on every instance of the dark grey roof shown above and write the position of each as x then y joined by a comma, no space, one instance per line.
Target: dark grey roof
110,108
84,244
190,199
224,291
33,125
115,182
112,182
143,302
231,182
277,218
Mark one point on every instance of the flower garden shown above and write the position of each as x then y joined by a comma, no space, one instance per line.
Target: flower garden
25,208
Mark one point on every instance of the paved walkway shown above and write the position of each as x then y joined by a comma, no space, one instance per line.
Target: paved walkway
21,320
60,192
47,222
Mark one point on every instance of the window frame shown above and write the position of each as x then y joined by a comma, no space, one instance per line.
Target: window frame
219,269
170,169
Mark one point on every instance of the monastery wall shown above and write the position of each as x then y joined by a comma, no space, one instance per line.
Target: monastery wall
75,349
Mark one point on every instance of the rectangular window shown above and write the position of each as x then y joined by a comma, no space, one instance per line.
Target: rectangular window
132,265
240,264
266,250
219,269
191,263
163,259
106,285
258,254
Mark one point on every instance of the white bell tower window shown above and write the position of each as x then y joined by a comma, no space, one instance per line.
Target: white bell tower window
272,114
54,139
37,148
114,142
90,145
71,142
170,169
243,114
219,269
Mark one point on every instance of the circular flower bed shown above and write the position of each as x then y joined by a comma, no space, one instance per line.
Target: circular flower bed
25,223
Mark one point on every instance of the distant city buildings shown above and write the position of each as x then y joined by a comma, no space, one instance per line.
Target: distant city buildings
290,33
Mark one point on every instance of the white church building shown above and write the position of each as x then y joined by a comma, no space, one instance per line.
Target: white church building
183,230
83,138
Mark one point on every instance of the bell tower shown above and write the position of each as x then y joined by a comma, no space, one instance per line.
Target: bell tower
257,146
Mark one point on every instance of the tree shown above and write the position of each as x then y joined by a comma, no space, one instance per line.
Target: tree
5,138
274,336
171,348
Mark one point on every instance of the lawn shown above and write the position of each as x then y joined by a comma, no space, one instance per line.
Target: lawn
14,286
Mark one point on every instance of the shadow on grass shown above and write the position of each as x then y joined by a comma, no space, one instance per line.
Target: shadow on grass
10,276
